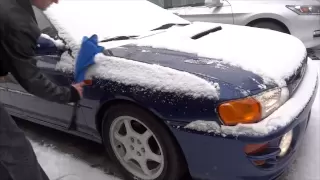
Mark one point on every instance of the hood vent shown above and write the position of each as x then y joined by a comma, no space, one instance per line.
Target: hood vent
204,33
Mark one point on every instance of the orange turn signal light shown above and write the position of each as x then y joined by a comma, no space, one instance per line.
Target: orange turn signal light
246,110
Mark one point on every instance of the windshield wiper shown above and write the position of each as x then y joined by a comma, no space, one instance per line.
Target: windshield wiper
204,33
166,26
118,38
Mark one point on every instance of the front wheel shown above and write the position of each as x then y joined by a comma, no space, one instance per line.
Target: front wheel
141,145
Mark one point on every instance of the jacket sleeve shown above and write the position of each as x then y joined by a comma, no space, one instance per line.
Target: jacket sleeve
19,46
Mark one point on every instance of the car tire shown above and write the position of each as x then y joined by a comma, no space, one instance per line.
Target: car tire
130,145
269,25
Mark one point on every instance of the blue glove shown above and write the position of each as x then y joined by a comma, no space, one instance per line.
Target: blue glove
89,48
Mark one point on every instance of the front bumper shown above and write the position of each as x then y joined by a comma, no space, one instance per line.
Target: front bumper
213,156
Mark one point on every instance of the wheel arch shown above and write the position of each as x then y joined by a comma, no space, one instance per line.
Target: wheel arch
269,19
117,101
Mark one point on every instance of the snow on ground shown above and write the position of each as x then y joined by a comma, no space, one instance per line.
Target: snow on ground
307,164
57,164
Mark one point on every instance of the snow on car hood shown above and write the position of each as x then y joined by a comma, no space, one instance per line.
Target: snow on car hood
272,55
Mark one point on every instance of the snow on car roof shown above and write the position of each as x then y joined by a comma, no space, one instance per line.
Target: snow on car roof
75,19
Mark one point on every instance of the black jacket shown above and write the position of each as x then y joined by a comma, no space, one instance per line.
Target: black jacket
19,33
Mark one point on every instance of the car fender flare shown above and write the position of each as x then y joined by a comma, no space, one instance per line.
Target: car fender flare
101,113
105,104
267,17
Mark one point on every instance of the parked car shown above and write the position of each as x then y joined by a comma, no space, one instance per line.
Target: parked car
170,97
298,18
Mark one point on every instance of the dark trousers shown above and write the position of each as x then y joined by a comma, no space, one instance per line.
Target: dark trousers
17,158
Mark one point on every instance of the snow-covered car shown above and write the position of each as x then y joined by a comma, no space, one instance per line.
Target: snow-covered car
170,97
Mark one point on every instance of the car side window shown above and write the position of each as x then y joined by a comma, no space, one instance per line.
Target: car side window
184,3
158,2
44,24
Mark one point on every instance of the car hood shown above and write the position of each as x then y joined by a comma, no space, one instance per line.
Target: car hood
250,58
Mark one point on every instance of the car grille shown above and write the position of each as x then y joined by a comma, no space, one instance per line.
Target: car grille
294,80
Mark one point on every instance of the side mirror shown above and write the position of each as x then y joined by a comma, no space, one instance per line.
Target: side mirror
213,3
45,46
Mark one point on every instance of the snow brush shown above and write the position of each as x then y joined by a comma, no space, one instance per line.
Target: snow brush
89,48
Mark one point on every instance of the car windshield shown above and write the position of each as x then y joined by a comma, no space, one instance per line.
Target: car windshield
110,18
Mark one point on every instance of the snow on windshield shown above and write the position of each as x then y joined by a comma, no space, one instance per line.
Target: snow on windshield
109,18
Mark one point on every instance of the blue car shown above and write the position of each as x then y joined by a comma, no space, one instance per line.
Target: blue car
170,98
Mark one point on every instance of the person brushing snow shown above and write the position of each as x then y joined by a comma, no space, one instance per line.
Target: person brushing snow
19,33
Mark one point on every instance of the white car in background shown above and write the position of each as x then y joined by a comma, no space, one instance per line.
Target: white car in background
300,18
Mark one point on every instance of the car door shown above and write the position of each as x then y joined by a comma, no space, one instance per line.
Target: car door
197,10
47,59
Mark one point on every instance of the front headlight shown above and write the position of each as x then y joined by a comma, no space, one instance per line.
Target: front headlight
252,109
271,100
305,10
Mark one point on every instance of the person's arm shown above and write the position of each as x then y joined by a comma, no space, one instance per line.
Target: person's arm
19,46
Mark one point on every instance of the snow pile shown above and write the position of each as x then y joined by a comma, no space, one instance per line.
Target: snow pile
205,126
57,165
280,118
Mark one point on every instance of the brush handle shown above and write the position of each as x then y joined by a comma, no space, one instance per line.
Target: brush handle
73,122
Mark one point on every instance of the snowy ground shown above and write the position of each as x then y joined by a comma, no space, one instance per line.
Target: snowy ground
307,164
63,154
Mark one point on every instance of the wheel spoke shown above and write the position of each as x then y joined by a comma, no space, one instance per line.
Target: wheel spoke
127,157
120,138
154,157
146,135
143,164
129,129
